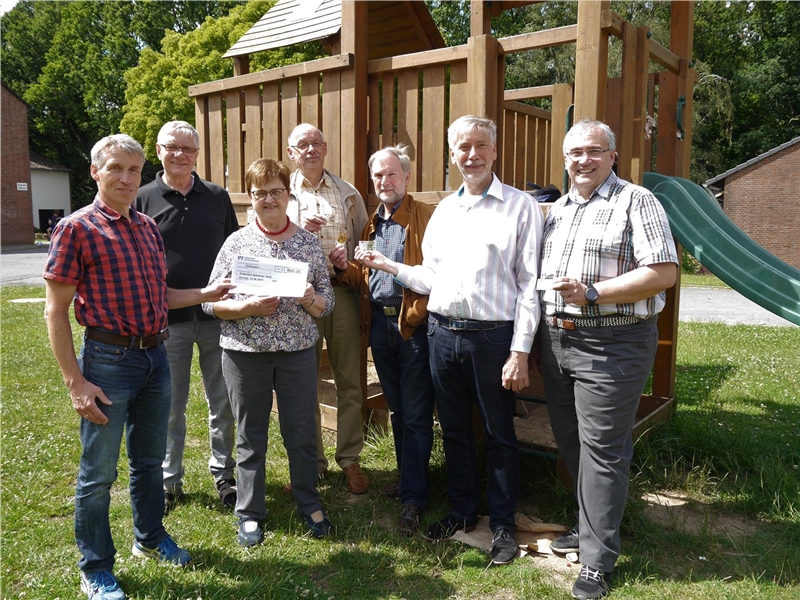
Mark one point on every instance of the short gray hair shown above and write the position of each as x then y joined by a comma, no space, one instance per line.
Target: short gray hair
300,130
585,126
178,127
124,142
468,123
400,152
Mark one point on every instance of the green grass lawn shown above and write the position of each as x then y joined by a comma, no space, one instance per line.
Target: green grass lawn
713,511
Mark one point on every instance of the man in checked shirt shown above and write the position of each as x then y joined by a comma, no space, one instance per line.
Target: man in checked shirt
607,257
109,259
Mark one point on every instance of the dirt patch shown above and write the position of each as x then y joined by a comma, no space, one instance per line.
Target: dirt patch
677,511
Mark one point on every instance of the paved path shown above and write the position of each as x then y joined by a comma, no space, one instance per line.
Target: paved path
23,265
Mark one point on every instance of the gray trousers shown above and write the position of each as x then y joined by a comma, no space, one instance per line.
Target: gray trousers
251,378
593,380
180,347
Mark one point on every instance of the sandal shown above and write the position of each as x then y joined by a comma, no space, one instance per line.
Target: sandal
227,492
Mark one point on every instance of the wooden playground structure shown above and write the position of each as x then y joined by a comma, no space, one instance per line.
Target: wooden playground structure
390,79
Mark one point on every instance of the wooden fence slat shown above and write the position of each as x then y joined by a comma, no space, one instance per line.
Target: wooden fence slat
273,139
506,151
408,120
459,98
309,88
290,111
331,118
387,110
434,128
203,165
252,126
216,139
373,117
233,114
521,149
543,152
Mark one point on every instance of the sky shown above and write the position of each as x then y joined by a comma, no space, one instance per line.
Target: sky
6,5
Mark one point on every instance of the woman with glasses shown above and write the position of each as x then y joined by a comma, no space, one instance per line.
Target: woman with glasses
269,344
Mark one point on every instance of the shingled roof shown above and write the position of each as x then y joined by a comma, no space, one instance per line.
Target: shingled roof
753,161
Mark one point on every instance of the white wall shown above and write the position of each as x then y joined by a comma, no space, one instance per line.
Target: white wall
49,190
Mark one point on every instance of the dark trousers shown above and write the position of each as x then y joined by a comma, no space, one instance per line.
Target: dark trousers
467,369
404,370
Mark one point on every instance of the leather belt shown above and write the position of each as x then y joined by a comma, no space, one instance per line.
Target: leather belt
133,342
389,311
579,323
468,324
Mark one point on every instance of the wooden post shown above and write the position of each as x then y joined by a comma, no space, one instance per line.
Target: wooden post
480,18
591,61
562,100
353,135
639,150
482,57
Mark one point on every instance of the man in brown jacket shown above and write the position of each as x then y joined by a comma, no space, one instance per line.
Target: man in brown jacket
392,315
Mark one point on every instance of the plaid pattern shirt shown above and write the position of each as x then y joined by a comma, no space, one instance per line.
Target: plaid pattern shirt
390,240
118,267
324,201
620,228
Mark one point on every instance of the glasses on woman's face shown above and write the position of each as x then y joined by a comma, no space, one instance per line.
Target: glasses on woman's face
591,154
276,193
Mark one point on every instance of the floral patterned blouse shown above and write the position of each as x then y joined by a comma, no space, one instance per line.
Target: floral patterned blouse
290,328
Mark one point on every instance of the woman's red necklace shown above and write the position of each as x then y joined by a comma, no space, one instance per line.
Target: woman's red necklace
267,232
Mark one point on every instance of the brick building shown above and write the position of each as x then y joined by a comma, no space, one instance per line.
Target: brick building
16,204
761,198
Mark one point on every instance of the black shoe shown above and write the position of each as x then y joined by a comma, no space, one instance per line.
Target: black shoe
448,526
171,498
591,584
567,543
319,529
504,548
226,488
251,533
409,519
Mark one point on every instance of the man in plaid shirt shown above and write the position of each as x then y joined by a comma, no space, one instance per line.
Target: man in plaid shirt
607,257
109,260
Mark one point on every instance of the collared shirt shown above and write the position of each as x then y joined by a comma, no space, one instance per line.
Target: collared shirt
193,228
620,227
118,267
290,327
325,201
481,260
390,240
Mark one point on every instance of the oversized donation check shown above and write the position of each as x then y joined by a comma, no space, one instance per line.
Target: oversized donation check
269,276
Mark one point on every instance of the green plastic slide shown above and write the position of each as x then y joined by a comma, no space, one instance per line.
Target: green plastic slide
698,222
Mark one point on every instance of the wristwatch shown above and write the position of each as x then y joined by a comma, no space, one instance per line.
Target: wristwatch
591,294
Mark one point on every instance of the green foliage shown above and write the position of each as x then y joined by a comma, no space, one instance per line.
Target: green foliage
157,88
689,264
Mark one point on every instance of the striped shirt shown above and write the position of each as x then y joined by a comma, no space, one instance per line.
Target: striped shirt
324,201
620,228
481,260
118,266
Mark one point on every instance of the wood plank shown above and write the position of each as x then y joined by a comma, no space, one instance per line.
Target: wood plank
418,59
309,104
203,165
252,126
638,149
505,167
591,62
459,105
434,128
530,93
373,117
664,57
521,149
273,139
527,110
216,140
628,79
408,121
331,118
290,110
353,138
332,63
547,38
387,110
562,99
480,18
667,120
543,152
482,76
233,115
614,108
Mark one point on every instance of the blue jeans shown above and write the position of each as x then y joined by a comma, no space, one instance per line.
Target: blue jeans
251,378
138,384
467,368
180,348
405,374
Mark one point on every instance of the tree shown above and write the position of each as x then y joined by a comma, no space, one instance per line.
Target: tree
157,88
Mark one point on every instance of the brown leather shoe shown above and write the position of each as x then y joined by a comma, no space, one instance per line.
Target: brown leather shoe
357,480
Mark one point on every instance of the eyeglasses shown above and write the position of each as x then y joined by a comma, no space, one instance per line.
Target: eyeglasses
173,149
303,147
276,193
591,154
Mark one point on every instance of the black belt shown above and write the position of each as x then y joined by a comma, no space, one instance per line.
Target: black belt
579,323
135,342
389,311
468,324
